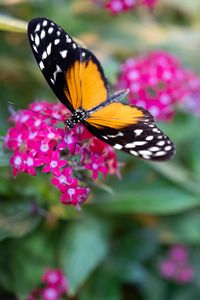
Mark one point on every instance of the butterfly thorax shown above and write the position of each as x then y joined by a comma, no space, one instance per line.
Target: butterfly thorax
77,117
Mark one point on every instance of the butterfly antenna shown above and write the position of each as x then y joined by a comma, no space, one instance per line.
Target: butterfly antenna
29,109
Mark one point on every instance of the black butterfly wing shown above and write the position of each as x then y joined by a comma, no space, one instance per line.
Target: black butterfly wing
130,129
72,72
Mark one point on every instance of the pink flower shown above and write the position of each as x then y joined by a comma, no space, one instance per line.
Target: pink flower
191,102
50,293
74,194
69,140
97,165
178,253
15,137
29,163
55,278
176,266
16,162
63,178
185,274
55,285
168,269
119,6
53,163
156,82
36,140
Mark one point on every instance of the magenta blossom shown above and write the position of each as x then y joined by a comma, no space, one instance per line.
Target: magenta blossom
36,141
55,278
176,266
74,194
118,6
54,286
156,82
50,293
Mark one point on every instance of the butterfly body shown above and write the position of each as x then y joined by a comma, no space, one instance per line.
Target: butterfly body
77,79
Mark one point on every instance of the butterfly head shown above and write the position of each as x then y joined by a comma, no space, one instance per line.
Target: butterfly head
78,116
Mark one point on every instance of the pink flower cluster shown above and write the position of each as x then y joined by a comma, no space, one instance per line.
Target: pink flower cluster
176,266
158,82
118,6
54,286
37,141
191,103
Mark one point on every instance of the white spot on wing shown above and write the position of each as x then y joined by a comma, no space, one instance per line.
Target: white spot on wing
115,135
49,49
134,152
63,53
50,30
137,143
44,23
167,148
68,39
154,149
138,131
57,41
161,143
118,146
145,152
44,55
58,69
156,130
52,80
41,65
37,40
32,38
149,138
37,27
35,48
42,35
160,153
74,45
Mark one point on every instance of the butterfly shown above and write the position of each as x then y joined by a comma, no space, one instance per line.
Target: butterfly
78,81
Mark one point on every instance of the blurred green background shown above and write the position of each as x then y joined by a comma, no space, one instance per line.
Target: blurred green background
112,248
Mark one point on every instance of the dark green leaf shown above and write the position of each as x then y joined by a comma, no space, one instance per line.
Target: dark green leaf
101,286
16,219
160,200
83,248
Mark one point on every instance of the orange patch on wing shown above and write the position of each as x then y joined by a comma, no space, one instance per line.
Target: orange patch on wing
116,115
73,90
86,88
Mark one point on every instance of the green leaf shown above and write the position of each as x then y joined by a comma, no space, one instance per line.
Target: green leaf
83,248
156,200
130,253
101,286
155,288
16,219
22,261
4,157
181,229
179,175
